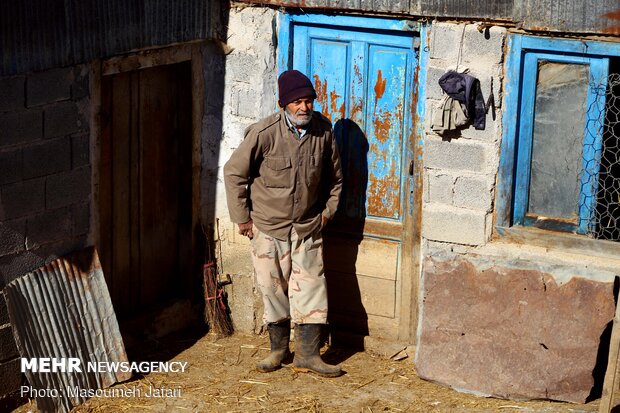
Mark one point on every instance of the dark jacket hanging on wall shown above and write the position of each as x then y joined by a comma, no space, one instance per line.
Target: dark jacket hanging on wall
466,89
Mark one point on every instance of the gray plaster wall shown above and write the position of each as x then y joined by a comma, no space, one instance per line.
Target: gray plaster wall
45,183
249,94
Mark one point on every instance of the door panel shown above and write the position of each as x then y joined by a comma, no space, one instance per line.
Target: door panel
364,83
145,186
385,106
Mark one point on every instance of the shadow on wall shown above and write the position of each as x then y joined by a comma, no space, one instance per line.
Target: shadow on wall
347,316
602,356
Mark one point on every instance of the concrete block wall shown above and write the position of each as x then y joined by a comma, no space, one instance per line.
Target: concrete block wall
45,183
460,172
250,93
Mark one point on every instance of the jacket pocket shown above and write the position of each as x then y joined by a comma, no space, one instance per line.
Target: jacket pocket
277,172
315,166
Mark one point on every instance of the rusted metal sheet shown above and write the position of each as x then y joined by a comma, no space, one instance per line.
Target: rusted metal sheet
385,6
498,9
63,310
571,16
38,34
587,16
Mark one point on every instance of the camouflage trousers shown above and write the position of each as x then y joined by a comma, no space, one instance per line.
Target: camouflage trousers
290,275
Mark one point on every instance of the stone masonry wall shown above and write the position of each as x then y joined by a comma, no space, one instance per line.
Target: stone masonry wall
45,183
250,90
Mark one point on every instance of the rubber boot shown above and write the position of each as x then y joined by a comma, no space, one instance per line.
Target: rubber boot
279,335
307,356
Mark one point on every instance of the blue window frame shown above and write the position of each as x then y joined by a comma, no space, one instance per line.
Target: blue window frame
554,115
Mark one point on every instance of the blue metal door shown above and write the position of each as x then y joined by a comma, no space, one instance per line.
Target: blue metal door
364,80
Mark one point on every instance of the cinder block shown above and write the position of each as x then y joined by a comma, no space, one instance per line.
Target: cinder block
80,151
234,132
456,225
484,47
433,90
50,86
50,226
81,219
484,75
440,187
52,251
246,103
30,125
15,265
22,199
492,131
252,29
489,233
458,154
10,377
445,41
80,86
61,119
241,67
12,93
10,166
8,348
12,236
47,158
20,127
473,192
68,188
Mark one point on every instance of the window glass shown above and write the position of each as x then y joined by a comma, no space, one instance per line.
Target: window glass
557,140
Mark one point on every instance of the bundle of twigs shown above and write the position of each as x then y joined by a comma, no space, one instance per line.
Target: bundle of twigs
217,314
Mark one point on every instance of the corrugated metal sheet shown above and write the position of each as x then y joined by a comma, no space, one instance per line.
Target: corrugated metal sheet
41,34
384,6
571,16
587,16
63,309
498,9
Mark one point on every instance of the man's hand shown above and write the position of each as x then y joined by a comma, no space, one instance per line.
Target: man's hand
246,229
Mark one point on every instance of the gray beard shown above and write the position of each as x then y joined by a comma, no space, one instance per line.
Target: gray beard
297,121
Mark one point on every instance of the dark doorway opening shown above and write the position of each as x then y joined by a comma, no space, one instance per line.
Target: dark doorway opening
145,197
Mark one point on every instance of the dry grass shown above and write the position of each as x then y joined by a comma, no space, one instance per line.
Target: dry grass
221,378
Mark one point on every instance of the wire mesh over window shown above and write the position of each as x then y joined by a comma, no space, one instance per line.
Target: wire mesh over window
605,218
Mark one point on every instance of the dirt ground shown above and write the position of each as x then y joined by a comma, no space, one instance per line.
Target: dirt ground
221,378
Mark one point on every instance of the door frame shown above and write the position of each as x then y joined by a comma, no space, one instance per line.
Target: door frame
409,305
188,52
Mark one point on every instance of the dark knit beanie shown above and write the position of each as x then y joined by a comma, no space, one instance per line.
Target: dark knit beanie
293,85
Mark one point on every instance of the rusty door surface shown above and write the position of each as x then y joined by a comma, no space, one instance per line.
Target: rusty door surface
145,186
365,84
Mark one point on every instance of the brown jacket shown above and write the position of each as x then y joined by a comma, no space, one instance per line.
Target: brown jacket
281,181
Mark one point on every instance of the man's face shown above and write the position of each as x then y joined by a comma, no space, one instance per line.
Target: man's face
300,111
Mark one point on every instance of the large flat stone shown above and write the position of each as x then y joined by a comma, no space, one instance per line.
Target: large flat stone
511,333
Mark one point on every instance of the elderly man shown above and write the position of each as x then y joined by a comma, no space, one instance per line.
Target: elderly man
283,183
